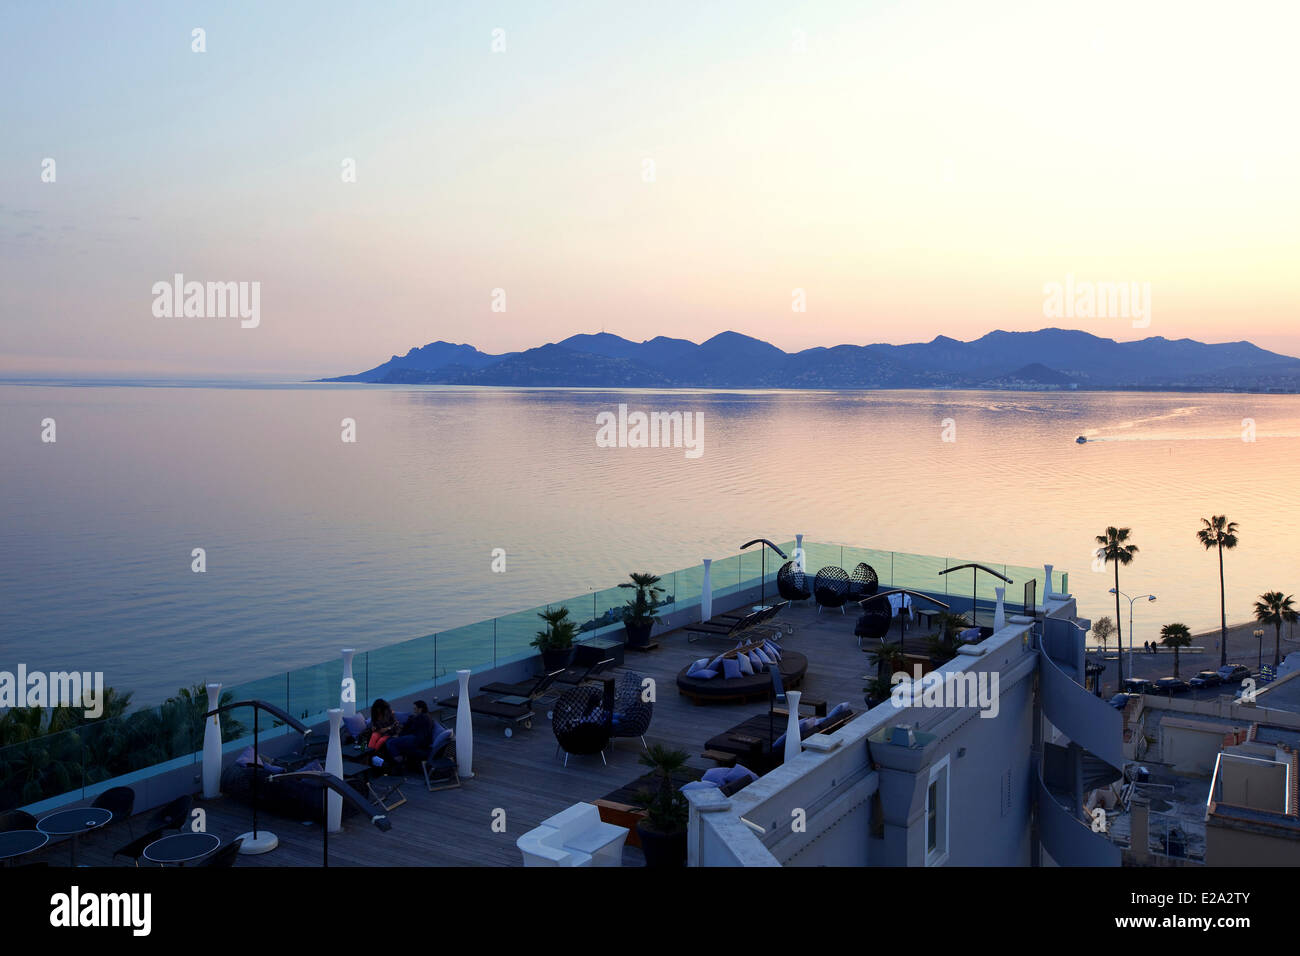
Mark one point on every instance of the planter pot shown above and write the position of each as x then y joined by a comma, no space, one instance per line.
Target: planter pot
556,659
662,849
638,635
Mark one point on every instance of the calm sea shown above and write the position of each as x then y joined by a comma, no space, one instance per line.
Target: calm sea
313,544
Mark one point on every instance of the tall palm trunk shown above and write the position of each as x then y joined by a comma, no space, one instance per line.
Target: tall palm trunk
1119,629
1223,614
1175,660
1277,647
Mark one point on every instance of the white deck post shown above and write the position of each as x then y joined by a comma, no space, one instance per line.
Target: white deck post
212,746
706,595
464,729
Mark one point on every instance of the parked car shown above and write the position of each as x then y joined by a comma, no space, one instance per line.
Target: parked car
1170,685
1120,700
1231,673
1206,679
1137,685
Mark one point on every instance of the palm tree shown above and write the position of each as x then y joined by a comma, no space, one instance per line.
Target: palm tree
1175,636
1273,608
887,658
1219,532
1114,550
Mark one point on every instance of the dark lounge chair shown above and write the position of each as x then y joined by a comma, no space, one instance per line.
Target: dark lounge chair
532,688
17,820
174,815
864,582
513,709
120,801
873,623
588,661
582,723
792,583
723,626
135,849
757,742
632,712
440,769
226,855
831,588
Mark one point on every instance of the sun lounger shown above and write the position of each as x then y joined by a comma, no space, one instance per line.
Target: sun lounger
511,709
532,688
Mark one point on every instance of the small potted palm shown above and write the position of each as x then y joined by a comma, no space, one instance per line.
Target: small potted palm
663,831
556,642
639,614
943,645
877,691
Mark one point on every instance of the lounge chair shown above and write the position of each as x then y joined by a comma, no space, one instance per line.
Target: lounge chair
440,768
581,722
831,588
873,623
723,626
754,742
864,582
17,820
120,801
174,815
791,583
135,849
226,855
532,688
514,710
632,713
587,662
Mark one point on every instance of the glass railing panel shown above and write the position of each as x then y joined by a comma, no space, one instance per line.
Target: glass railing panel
920,572
607,611
315,689
726,576
46,766
879,561
273,689
689,585
818,555
401,668
469,647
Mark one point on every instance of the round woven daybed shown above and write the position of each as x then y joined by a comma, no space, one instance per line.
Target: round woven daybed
792,665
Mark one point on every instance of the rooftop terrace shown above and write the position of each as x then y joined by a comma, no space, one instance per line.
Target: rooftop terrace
522,775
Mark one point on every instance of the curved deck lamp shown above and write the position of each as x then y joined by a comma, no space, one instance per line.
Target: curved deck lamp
762,580
328,782
974,585
260,841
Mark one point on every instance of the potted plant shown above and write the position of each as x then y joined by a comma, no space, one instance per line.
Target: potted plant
878,691
663,831
639,614
556,642
943,645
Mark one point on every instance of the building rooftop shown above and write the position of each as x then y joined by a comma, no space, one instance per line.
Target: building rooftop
522,775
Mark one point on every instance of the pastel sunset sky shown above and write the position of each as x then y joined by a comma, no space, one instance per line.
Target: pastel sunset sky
918,168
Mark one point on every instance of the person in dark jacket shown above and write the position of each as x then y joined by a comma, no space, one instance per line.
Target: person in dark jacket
415,736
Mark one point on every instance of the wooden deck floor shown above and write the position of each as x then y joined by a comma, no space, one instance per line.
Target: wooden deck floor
522,775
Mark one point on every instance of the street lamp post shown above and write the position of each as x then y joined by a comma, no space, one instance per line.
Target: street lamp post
1131,600
1259,637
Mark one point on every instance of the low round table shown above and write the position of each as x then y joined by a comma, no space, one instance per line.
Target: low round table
73,823
17,842
181,848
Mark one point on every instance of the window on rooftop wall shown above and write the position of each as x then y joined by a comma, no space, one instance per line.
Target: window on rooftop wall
936,815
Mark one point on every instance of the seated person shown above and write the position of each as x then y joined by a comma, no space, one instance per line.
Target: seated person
414,737
383,724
